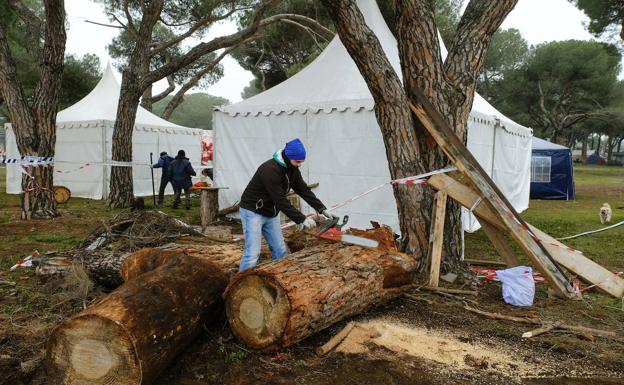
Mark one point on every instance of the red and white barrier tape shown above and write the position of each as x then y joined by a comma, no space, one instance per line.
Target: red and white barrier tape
33,161
411,180
25,262
489,274
615,274
538,239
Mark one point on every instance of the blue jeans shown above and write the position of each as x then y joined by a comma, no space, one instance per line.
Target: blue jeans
253,226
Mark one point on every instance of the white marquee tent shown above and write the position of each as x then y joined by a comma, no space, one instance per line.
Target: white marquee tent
329,107
84,135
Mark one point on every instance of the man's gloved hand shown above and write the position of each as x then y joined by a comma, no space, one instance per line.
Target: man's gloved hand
307,224
329,215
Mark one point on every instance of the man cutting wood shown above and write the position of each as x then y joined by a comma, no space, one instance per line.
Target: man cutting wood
265,196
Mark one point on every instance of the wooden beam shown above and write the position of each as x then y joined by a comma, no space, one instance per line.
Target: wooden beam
437,238
466,197
490,222
457,152
581,265
501,244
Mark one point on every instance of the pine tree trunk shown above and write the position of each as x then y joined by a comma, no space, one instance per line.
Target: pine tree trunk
35,125
146,99
584,148
280,303
449,86
121,191
395,121
132,334
598,144
172,105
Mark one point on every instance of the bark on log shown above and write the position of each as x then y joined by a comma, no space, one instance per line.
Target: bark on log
103,265
135,331
280,303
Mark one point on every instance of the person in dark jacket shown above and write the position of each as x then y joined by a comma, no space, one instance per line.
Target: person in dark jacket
180,172
265,196
163,162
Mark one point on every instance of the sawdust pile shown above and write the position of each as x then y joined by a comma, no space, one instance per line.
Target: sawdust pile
439,346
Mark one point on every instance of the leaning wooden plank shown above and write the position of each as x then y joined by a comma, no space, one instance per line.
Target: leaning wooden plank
437,235
489,220
138,329
457,152
581,265
466,197
501,244
573,261
280,303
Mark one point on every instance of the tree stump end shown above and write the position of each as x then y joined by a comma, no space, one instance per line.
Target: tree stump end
94,350
258,309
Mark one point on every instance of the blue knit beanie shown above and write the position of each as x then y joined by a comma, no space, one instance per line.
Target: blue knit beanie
295,150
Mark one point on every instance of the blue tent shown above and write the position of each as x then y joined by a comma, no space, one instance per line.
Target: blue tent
595,159
552,174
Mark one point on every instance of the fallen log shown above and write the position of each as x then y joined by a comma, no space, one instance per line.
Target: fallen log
102,265
134,332
280,303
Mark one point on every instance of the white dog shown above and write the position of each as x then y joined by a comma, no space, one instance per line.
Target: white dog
605,213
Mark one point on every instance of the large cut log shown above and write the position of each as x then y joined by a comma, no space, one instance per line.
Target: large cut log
102,265
280,303
134,332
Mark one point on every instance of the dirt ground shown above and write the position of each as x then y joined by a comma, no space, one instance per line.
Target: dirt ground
430,340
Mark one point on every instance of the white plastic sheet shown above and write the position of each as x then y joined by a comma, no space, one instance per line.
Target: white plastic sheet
518,285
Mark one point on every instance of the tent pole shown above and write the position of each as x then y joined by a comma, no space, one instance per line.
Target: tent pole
152,170
104,176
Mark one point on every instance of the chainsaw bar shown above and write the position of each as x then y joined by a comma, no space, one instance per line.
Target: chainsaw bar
335,235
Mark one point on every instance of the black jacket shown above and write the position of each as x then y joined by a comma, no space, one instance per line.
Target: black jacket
266,192
180,172
164,162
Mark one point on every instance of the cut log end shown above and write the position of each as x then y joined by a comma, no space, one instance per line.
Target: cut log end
92,350
258,309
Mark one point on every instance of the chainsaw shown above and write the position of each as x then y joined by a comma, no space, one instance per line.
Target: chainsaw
331,230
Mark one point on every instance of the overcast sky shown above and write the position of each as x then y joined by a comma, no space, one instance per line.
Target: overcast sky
538,20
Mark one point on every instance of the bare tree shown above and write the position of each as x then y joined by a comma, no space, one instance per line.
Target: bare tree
448,84
34,120
137,76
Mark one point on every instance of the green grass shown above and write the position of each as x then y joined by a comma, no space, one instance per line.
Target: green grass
590,175
594,186
77,218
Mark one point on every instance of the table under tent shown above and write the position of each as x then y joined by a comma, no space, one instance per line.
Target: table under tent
329,107
552,173
84,143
